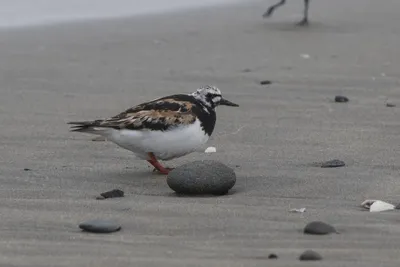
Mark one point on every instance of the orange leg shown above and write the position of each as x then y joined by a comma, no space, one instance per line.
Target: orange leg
157,165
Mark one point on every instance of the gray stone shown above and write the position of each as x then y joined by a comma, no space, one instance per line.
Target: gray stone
319,228
100,226
113,193
265,82
272,256
335,163
202,177
310,255
341,99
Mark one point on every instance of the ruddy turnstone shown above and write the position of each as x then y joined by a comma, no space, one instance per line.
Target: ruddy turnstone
303,22
164,128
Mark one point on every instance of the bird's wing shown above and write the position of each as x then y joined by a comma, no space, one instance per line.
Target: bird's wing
160,114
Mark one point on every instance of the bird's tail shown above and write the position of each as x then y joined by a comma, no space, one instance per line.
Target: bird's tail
87,127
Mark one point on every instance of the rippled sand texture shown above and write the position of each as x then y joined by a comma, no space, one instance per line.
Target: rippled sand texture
51,75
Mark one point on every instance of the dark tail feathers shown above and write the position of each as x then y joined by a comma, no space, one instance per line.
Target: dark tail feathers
82,126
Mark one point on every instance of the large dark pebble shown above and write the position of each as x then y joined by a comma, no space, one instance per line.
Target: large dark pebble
335,163
310,255
113,193
272,256
202,177
341,99
27,169
390,105
398,206
319,228
100,226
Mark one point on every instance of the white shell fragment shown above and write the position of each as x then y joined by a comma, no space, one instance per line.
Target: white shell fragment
306,56
210,149
298,210
378,206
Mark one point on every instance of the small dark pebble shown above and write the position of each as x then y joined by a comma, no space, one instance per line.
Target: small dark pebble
335,163
390,105
272,256
100,226
113,193
398,206
310,255
265,82
27,169
319,228
246,70
341,99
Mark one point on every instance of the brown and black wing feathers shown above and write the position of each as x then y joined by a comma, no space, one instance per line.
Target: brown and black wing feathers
161,114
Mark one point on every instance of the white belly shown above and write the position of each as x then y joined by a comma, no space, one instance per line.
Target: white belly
165,145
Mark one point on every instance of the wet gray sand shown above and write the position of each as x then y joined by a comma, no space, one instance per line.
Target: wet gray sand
51,75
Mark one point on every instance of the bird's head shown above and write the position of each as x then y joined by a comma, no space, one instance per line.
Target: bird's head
211,97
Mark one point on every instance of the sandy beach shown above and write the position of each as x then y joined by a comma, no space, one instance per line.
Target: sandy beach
50,75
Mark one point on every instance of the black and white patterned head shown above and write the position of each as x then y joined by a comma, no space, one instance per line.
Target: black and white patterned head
211,97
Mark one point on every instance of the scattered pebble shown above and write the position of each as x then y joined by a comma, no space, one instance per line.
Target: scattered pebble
100,226
265,82
112,194
310,255
202,177
379,206
210,149
272,256
27,169
319,228
390,105
298,210
335,163
341,99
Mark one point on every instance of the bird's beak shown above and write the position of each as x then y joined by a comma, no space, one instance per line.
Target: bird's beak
225,102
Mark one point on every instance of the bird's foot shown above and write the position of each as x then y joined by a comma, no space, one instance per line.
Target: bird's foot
303,22
157,165
165,170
